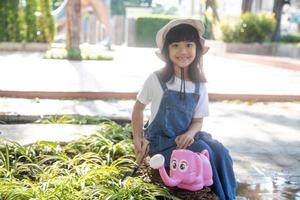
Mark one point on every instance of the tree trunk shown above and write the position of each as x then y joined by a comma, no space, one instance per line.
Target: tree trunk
73,24
277,10
246,5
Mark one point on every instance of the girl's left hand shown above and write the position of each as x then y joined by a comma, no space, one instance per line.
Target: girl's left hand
184,140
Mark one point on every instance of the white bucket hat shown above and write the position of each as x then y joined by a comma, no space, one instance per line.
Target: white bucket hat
161,34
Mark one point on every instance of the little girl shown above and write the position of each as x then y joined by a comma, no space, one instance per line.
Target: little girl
179,102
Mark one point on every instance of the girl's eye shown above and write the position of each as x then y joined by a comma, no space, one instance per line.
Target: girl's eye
174,45
189,45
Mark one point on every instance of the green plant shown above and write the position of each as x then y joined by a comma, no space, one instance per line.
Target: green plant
16,162
74,54
227,31
95,54
3,21
248,28
290,38
135,188
66,119
13,21
31,20
147,27
90,168
45,20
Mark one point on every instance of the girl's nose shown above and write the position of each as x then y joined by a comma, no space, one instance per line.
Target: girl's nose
183,50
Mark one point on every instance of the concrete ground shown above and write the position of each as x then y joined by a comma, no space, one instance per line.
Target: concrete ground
27,75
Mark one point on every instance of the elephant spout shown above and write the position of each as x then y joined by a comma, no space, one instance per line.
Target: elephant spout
157,162
168,181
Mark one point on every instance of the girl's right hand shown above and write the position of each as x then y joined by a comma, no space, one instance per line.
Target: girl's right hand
141,149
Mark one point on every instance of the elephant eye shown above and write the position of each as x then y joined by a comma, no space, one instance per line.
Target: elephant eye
183,166
174,164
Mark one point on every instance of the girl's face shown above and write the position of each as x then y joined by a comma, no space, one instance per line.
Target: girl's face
182,53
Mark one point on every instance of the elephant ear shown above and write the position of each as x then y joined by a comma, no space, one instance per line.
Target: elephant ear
205,153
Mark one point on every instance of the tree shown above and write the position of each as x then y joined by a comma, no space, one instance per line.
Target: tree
277,10
3,21
246,5
73,24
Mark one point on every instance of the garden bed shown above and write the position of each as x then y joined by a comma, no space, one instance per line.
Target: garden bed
93,167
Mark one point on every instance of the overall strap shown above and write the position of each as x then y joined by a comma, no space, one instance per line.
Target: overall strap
197,88
162,84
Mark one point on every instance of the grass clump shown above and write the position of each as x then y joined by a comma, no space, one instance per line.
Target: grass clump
78,54
92,167
68,119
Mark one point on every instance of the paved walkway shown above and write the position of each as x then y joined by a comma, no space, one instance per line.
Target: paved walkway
27,75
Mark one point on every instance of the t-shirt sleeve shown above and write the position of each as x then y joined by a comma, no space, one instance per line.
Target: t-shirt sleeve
145,94
202,109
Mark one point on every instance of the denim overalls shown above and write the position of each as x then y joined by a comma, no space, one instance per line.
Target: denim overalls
173,118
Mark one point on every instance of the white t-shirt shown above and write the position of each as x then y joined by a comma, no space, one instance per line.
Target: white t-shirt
152,92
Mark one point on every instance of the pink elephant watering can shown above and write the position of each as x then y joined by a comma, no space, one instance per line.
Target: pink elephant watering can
188,170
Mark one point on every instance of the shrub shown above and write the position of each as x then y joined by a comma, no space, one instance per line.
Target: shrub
31,21
46,24
227,29
267,24
3,21
78,54
147,27
74,54
13,21
290,38
249,28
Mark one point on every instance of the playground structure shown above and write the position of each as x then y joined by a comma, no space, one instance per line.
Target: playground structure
96,25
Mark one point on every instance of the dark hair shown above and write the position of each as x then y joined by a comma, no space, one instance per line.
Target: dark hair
182,32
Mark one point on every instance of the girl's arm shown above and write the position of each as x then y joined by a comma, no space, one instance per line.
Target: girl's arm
186,139
137,120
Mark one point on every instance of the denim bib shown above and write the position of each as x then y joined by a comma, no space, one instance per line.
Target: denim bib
173,118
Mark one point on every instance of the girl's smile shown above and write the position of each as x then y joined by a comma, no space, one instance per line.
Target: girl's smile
182,54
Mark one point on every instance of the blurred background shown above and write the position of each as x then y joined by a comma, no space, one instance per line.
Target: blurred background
271,24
